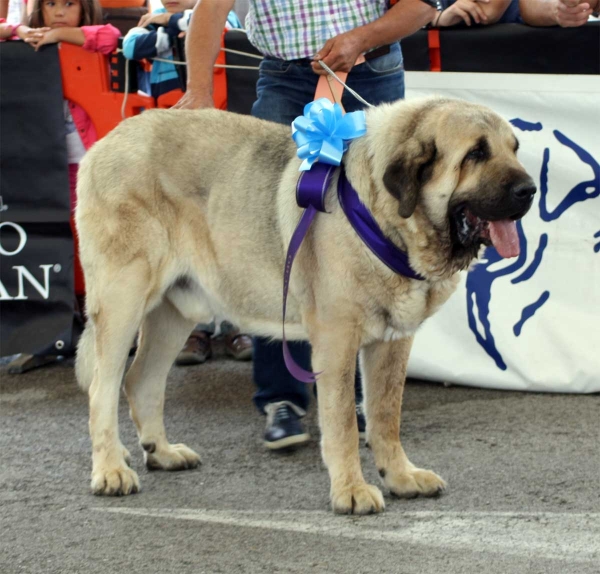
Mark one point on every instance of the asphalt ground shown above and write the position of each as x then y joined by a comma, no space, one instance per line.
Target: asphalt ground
523,471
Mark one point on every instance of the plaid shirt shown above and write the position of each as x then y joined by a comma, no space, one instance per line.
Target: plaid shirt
292,29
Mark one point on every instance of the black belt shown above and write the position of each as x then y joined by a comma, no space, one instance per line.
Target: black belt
375,53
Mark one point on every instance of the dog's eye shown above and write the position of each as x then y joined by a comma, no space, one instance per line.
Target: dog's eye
475,155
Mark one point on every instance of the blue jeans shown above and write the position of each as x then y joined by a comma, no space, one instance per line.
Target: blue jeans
283,89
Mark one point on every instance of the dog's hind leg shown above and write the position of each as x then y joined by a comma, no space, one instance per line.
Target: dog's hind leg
163,334
116,305
384,372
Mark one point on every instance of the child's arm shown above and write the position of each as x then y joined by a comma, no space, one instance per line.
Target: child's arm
92,38
70,35
6,31
18,31
140,43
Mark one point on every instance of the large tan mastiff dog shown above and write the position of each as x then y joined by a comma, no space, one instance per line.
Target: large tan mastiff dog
183,215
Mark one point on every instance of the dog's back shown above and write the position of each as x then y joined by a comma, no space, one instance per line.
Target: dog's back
159,180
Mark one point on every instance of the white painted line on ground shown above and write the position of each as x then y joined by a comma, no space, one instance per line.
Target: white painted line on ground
551,536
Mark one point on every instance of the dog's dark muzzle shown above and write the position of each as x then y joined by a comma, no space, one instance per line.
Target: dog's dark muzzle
520,197
511,201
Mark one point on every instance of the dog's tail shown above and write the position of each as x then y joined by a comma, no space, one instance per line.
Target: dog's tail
86,355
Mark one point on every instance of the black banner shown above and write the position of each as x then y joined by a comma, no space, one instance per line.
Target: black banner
241,84
519,49
36,245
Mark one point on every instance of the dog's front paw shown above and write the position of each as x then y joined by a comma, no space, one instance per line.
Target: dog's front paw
414,482
115,481
170,457
359,498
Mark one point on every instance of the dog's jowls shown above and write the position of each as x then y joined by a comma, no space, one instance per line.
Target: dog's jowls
183,215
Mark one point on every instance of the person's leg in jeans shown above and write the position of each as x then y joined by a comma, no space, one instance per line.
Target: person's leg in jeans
378,81
283,90
282,93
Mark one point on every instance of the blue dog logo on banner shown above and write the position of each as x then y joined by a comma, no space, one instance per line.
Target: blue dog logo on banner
481,278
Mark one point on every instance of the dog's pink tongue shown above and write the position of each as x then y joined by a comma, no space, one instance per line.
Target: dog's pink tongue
505,238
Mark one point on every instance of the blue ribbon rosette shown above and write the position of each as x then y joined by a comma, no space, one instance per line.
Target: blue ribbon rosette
323,132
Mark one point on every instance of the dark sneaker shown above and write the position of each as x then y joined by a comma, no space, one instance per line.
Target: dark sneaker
361,421
238,346
196,351
284,428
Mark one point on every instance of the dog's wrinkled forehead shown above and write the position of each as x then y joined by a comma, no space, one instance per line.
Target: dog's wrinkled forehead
473,128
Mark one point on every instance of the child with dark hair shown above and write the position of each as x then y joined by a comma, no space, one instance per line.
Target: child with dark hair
77,22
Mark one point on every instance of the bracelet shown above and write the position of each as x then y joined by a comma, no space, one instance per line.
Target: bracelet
15,27
435,23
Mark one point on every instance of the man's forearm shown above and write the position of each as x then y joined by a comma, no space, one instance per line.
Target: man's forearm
203,41
537,12
404,19
494,10
553,13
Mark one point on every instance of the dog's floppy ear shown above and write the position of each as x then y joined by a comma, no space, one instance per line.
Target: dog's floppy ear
404,177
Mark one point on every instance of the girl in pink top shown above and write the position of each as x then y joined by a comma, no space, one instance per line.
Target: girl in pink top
77,22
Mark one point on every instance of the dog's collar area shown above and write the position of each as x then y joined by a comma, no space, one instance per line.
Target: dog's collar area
311,191
369,231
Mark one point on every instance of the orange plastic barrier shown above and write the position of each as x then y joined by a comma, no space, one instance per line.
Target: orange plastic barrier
220,79
169,99
86,81
435,57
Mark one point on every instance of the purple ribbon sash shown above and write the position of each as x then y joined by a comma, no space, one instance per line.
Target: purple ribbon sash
369,231
310,193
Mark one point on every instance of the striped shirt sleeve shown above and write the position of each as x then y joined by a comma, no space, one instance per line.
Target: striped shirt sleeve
154,41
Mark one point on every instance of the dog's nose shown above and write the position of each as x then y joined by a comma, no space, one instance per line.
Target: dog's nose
523,191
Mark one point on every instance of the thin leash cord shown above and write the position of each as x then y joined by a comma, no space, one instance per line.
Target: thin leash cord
179,63
350,90
229,50
247,54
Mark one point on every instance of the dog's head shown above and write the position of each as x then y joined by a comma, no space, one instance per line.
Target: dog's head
452,169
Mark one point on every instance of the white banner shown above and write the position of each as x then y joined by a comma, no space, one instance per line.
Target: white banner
533,322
